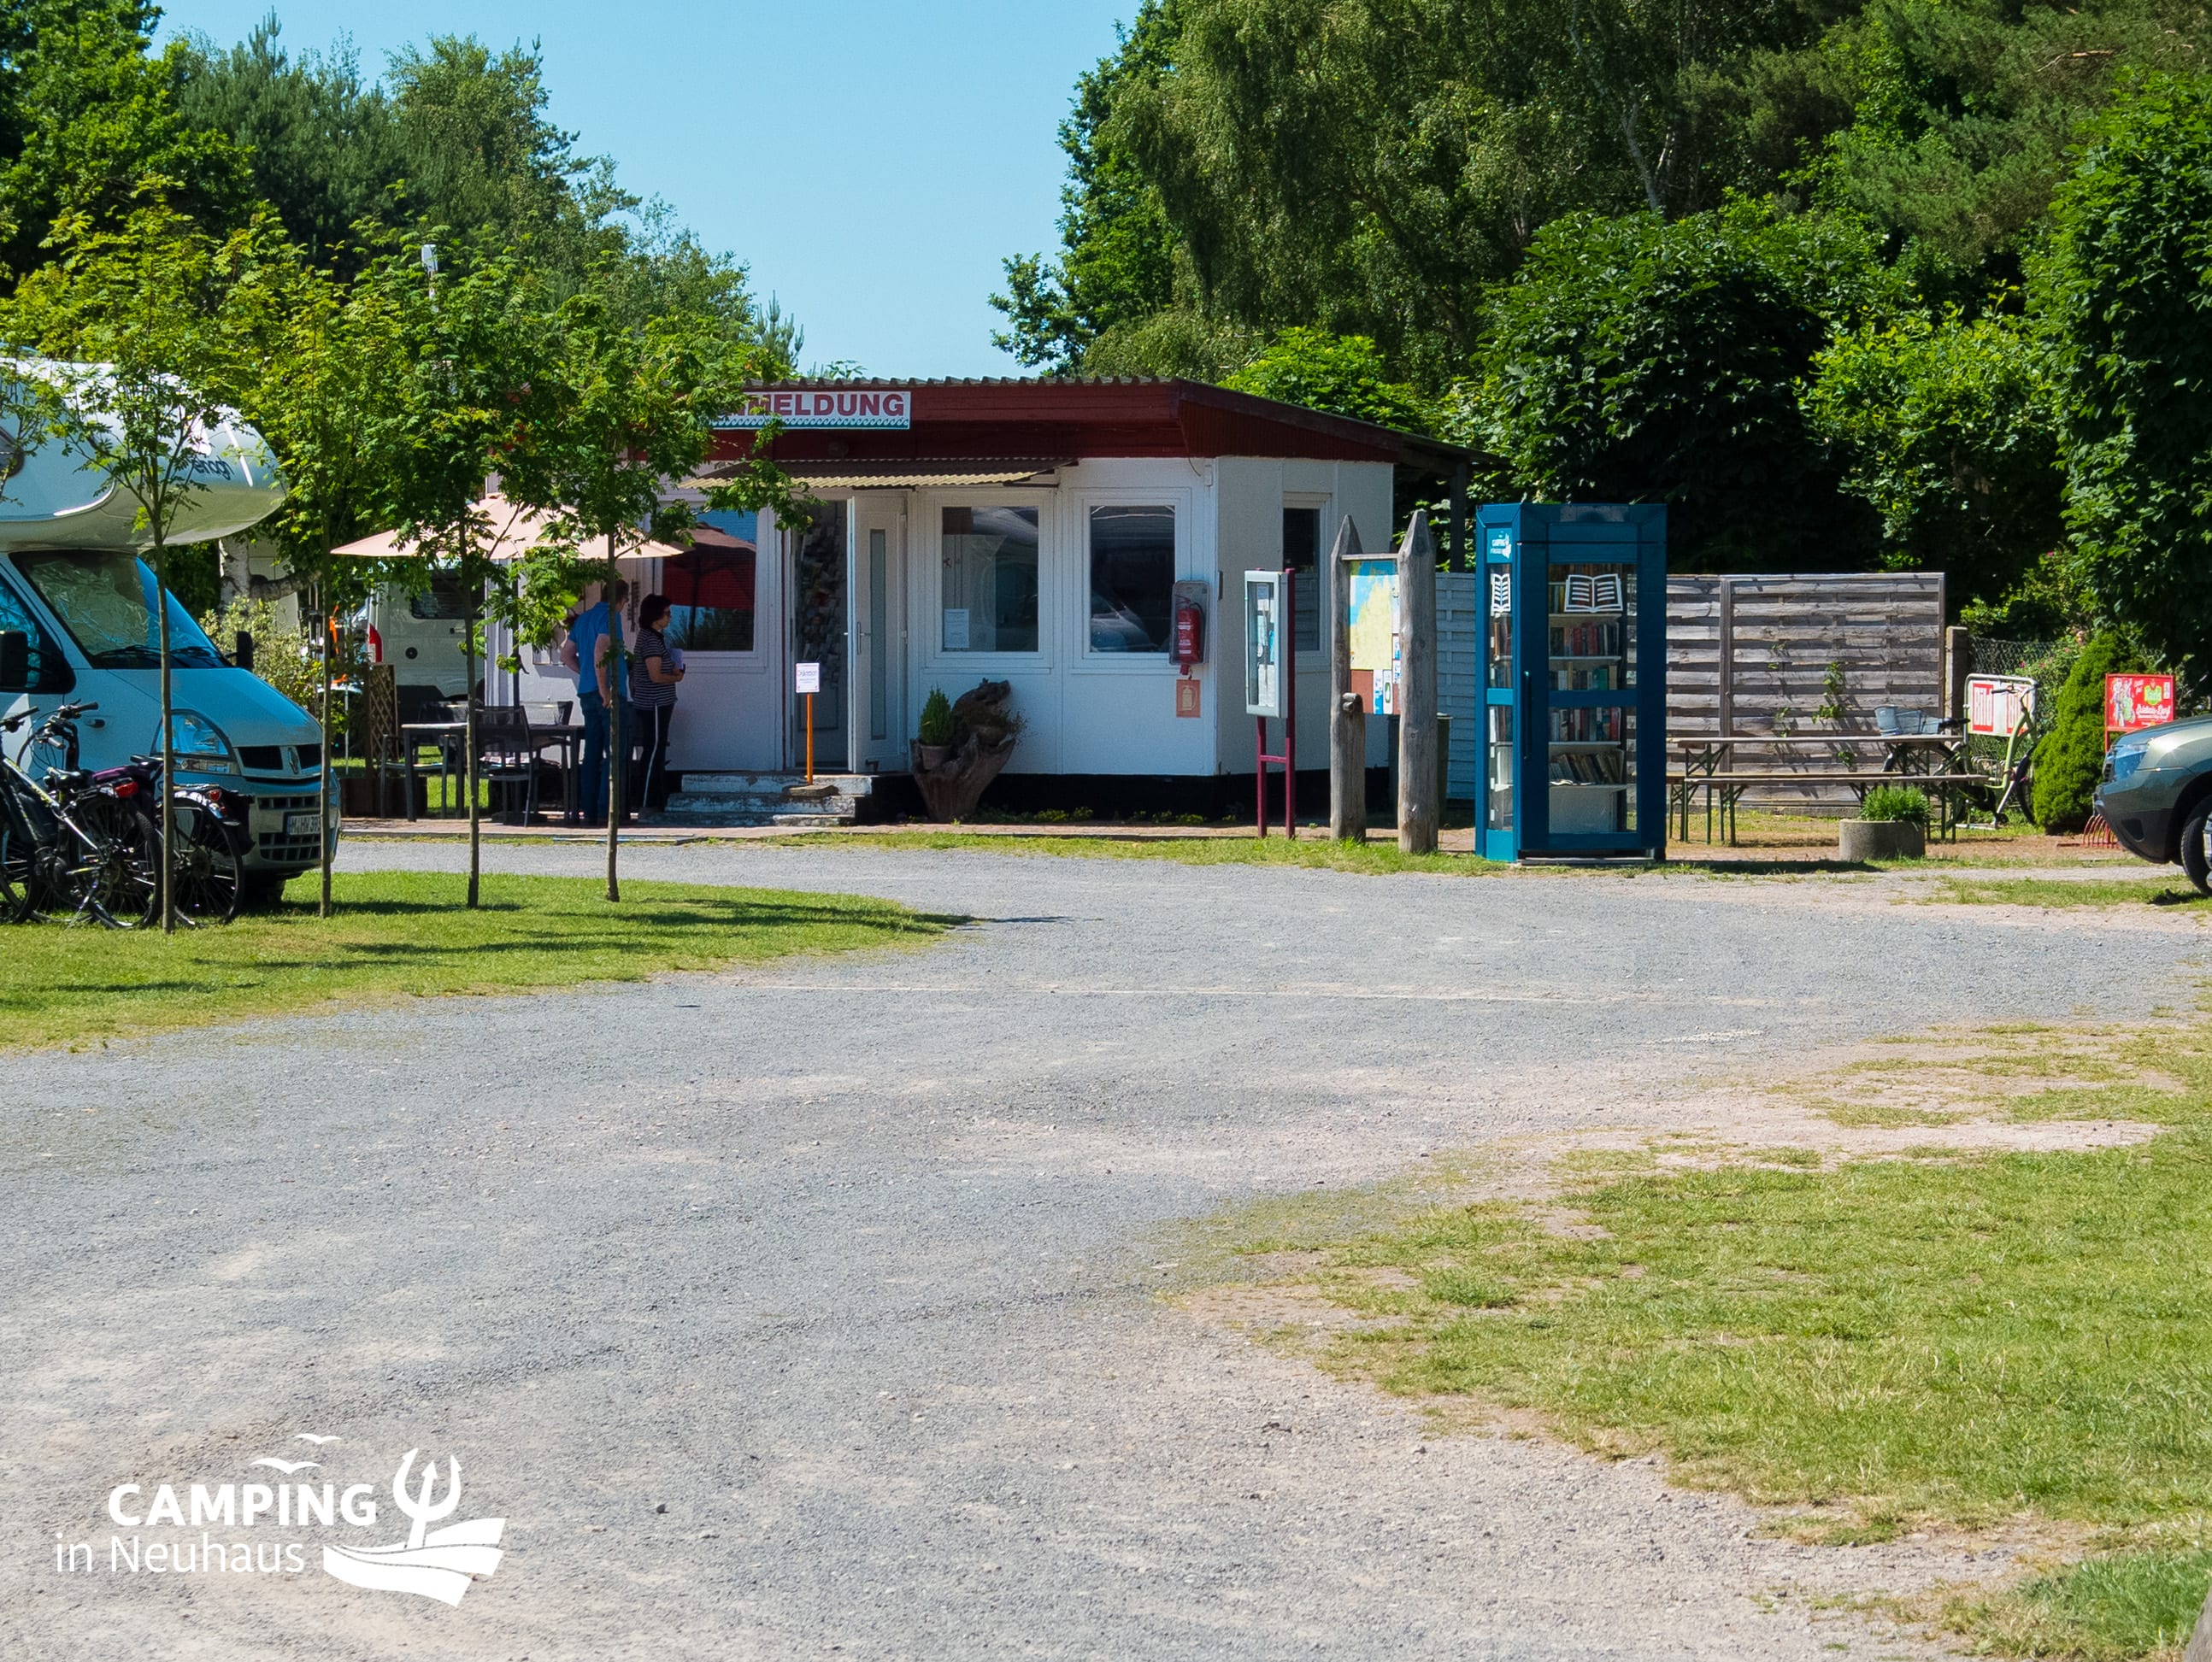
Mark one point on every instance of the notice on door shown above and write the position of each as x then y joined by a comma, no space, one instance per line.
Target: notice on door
810,678
956,629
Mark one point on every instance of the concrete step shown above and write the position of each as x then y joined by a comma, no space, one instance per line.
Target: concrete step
732,798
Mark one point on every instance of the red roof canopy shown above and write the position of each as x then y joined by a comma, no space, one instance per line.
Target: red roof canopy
977,421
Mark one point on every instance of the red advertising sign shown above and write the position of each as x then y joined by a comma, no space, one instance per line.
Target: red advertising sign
1999,706
2137,700
825,407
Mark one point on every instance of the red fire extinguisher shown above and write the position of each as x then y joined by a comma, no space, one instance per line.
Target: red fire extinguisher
1189,633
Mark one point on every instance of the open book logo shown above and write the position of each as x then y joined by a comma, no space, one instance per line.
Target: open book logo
439,1564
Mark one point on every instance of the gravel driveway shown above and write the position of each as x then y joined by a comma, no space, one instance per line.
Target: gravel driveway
814,1309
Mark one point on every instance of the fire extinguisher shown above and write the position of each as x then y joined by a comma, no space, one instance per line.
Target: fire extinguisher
1189,633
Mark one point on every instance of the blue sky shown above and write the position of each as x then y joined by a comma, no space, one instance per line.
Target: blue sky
872,162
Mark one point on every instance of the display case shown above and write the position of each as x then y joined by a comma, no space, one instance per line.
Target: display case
1574,677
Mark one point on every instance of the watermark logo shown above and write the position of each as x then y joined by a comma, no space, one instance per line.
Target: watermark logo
162,1519
441,1565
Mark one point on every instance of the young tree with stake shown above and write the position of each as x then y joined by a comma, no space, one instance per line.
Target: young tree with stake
143,327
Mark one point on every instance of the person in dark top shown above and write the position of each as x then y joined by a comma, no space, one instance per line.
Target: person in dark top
655,667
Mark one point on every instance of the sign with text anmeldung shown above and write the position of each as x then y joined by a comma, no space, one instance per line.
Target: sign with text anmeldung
2133,702
1263,641
847,407
2000,706
810,678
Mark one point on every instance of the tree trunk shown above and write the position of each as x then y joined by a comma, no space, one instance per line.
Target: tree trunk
611,689
469,767
1418,810
168,738
1347,720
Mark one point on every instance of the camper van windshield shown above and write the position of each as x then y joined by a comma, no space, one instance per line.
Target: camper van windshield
105,599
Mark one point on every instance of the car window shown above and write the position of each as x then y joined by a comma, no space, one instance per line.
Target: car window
50,670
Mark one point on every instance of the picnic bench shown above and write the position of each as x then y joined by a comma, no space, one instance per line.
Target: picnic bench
1934,763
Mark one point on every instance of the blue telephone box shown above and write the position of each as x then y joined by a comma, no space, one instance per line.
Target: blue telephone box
1574,677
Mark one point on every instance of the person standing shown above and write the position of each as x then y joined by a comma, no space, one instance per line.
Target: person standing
590,636
654,670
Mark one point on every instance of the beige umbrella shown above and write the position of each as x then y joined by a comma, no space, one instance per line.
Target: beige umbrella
514,530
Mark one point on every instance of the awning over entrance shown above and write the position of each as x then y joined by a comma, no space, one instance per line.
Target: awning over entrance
847,473
513,531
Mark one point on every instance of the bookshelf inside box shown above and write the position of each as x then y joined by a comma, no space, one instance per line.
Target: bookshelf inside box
1577,763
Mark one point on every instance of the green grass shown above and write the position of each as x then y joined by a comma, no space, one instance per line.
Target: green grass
2046,891
2108,1609
1946,1336
405,934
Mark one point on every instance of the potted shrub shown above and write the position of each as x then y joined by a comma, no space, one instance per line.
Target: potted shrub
1892,825
972,740
935,737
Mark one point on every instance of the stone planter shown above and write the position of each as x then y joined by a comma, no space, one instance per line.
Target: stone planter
1881,839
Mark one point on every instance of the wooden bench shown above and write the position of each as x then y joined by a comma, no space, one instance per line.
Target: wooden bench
1724,790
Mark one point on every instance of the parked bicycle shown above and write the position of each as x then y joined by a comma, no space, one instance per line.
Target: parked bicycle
86,845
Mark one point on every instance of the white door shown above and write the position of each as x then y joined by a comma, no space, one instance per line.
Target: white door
878,720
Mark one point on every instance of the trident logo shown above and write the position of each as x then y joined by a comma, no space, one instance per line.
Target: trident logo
418,1506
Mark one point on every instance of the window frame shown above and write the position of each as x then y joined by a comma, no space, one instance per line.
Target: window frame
934,657
1182,501
1319,504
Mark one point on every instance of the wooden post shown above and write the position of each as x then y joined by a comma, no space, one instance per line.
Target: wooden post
1957,664
468,738
1418,810
1462,521
1347,717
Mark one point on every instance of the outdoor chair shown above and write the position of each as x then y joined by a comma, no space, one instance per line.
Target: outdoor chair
507,757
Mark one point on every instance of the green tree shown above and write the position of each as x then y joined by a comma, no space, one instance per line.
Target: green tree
87,114
2126,296
628,408
1343,374
330,372
2070,757
1948,430
144,328
1637,361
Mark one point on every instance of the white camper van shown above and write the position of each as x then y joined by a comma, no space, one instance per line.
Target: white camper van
71,580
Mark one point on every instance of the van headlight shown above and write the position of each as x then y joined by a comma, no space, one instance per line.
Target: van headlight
201,747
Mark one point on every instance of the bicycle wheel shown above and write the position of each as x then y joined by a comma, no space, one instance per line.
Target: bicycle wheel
18,875
206,870
114,872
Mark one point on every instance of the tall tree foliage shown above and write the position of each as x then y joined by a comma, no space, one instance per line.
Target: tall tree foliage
2126,296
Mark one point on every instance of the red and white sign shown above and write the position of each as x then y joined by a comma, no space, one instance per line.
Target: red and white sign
1999,706
2133,702
825,407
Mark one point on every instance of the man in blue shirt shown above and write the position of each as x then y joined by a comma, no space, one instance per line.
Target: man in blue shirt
589,635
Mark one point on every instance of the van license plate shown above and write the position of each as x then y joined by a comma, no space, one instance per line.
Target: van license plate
303,825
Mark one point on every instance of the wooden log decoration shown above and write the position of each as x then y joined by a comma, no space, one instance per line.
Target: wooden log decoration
1347,717
984,731
1418,810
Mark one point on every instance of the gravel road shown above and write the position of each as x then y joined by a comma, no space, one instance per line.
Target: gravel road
815,1309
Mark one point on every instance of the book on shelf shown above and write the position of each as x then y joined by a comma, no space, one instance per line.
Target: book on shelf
1585,641
1588,767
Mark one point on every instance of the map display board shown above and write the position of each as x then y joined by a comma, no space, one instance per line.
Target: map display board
1263,642
1377,651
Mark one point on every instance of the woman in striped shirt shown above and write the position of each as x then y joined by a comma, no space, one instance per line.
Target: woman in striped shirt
655,667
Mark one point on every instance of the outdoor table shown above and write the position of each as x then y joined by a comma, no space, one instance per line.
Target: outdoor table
413,735
1934,761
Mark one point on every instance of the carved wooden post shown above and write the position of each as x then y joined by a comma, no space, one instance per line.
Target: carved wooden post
1418,810
1347,717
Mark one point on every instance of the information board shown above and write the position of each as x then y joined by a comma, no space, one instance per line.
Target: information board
2133,702
1263,639
2000,706
1373,627
810,678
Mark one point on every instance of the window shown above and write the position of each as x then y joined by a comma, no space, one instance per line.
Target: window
447,600
1133,563
1301,554
710,596
50,671
990,581
105,601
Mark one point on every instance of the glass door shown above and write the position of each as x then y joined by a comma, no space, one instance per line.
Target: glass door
820,588
1496,826
1584,703
878,717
